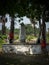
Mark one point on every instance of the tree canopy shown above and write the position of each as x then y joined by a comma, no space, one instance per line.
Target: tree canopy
28,8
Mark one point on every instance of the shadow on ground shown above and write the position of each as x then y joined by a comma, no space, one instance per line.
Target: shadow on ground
13,59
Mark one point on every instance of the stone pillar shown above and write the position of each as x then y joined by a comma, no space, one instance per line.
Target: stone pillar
48,30
22,35
0,27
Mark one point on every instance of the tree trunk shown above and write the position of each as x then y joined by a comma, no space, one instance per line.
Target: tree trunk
44,30
12,25
39,37
3,26
43,41
33,22
11,35
34,29
39,27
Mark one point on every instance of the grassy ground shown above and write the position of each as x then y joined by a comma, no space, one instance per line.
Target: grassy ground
3,39
29,39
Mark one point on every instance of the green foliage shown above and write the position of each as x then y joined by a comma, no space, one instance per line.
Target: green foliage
47,37
4,37
16,37
23,7
16,31
29,37
30,29
7,30
2,40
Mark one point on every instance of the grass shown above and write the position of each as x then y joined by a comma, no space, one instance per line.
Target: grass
16,37
29,37
2,40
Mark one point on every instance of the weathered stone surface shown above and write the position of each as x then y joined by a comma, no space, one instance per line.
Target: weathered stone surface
0,26
22,49
22,34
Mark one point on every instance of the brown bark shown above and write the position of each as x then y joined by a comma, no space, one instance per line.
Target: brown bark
43,41
11,35
3,26
12,25
39,27
43,30
39,36
34,29
33,22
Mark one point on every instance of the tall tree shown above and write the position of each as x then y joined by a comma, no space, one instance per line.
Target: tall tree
4,20
11,33
27,7
34,23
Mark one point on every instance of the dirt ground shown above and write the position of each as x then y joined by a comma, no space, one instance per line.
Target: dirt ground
13,59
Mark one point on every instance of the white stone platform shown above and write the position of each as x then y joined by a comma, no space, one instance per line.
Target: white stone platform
23,48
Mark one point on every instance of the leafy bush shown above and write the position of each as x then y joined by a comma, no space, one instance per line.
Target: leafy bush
1,42
30,37
4,37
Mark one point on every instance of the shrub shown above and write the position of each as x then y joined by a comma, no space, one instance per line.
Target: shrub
1,42
29,37
4,36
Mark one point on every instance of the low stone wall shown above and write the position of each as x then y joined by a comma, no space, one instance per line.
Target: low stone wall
23,49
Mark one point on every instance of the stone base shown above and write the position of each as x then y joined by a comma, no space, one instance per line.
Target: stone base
23,49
